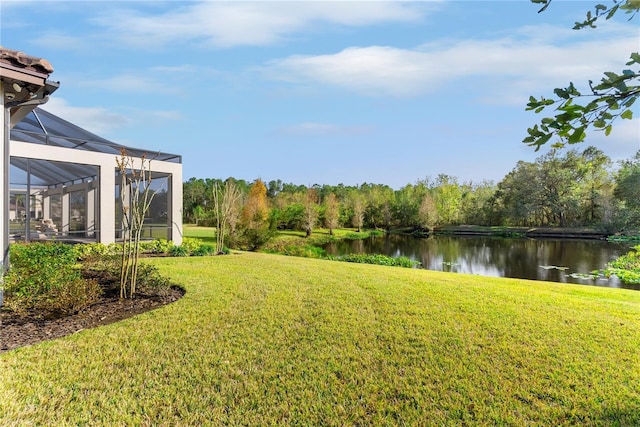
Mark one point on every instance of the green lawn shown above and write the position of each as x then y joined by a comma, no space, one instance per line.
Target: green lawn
264,339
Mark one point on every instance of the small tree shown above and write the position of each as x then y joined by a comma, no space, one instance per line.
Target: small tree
135,198
358,212
331,212
254,215
197,212
310,211
428,211
225,203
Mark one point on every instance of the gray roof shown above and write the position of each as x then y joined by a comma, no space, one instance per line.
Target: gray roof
42,127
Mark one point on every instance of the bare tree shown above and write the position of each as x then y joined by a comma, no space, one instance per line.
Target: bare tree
135,197
226,202
310,217
358,212
331,212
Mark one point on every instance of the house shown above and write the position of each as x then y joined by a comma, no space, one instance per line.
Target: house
61,181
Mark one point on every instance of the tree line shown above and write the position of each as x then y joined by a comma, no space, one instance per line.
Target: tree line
561,188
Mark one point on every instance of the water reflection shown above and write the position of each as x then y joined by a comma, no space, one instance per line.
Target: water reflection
564,260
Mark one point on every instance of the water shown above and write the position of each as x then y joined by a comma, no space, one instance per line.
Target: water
556,260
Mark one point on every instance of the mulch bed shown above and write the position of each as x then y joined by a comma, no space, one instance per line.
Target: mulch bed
17,331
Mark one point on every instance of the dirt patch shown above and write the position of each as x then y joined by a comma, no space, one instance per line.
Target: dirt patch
17,331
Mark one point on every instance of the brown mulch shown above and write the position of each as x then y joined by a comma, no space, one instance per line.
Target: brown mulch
17,331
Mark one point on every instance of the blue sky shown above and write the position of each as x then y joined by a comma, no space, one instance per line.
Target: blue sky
321,92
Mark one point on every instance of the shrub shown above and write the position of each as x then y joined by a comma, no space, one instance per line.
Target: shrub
253,239
190,245
44,277
161,246
151,282
204,249
626,267
178,251
379,260
90,250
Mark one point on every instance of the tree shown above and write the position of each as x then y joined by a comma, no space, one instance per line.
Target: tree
197,212
135,199
225,204
357,203
594,165
331,212
193,197
310,217
448,197
255,211
602,105
628,189
428,212
254,216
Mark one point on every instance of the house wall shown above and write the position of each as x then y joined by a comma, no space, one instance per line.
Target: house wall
106,179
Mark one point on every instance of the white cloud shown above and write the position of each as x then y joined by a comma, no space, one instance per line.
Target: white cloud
131,83
60,41
102,121
321,129
244,23
94,119
517,66
179,69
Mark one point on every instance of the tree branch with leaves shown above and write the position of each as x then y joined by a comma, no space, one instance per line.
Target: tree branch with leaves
604,103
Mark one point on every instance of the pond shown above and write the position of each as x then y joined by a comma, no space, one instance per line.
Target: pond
556,260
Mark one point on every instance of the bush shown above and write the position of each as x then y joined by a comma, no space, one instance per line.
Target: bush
86,251
253,239
204,249
178,251
626,267
157,246
379,260
44,277
190,245
161,246
151,282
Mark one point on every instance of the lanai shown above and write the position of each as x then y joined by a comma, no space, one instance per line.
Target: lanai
60,181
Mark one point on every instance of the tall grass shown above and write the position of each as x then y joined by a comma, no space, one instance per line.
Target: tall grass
270,340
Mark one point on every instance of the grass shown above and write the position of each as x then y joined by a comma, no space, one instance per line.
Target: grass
263,339
206,234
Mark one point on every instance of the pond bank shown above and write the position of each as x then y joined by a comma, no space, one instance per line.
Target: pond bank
537,232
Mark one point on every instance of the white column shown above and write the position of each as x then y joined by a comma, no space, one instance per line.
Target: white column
66,217
175,205
4,196
106,207
46,204
90,210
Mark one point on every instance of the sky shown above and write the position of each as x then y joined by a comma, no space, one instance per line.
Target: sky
322,92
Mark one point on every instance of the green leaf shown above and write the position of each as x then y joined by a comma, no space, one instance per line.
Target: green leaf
561,93
612,76
612,12
607,130
627,114
577,135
